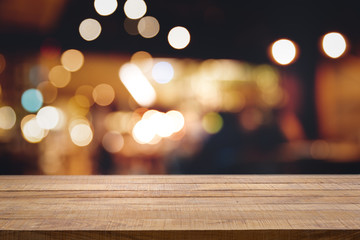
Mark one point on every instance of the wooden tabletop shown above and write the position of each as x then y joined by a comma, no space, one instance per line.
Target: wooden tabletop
180,207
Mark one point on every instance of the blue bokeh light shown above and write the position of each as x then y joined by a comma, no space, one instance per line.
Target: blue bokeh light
32,100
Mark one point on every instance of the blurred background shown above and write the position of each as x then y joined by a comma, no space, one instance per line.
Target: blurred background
179,87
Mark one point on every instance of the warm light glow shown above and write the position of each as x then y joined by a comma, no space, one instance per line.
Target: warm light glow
7,117
334,44
320,149
135,9
119,121
143,60
113,142
103,94
82,92
161,124
105,7
283,51
163,72
48,91
143,131
137,84
81,134
179,37
212,122
32,100
59,76
89,29
2,63
177,119
48,117
148,114
61,120
72,60
31,130
77,106
148,27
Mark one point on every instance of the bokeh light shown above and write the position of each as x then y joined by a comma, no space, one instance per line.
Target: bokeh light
148,27
121,122
212,122
179,37
155,125
48,117
81,134
105,7
72,60
31,130
113,142
177,118
2,63
143,131
84,95
48,91
162,124
7,117
143,60
32,100
131,26
283,51
163,72
89,29
103,94
334,44
137,84
135,9
38,74
78,106
59,76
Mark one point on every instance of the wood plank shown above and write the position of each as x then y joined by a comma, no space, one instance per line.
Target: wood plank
182,235
180,207
29,186
320,194
199,179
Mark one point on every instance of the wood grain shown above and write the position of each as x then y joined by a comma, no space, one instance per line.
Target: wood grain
180,207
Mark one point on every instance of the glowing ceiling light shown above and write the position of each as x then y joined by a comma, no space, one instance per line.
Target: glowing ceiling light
105,7
334,44
137,84
283,51
179,37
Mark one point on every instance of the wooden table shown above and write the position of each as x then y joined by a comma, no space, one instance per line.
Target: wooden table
180,207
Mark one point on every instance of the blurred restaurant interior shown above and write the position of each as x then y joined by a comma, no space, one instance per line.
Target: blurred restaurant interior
179,87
